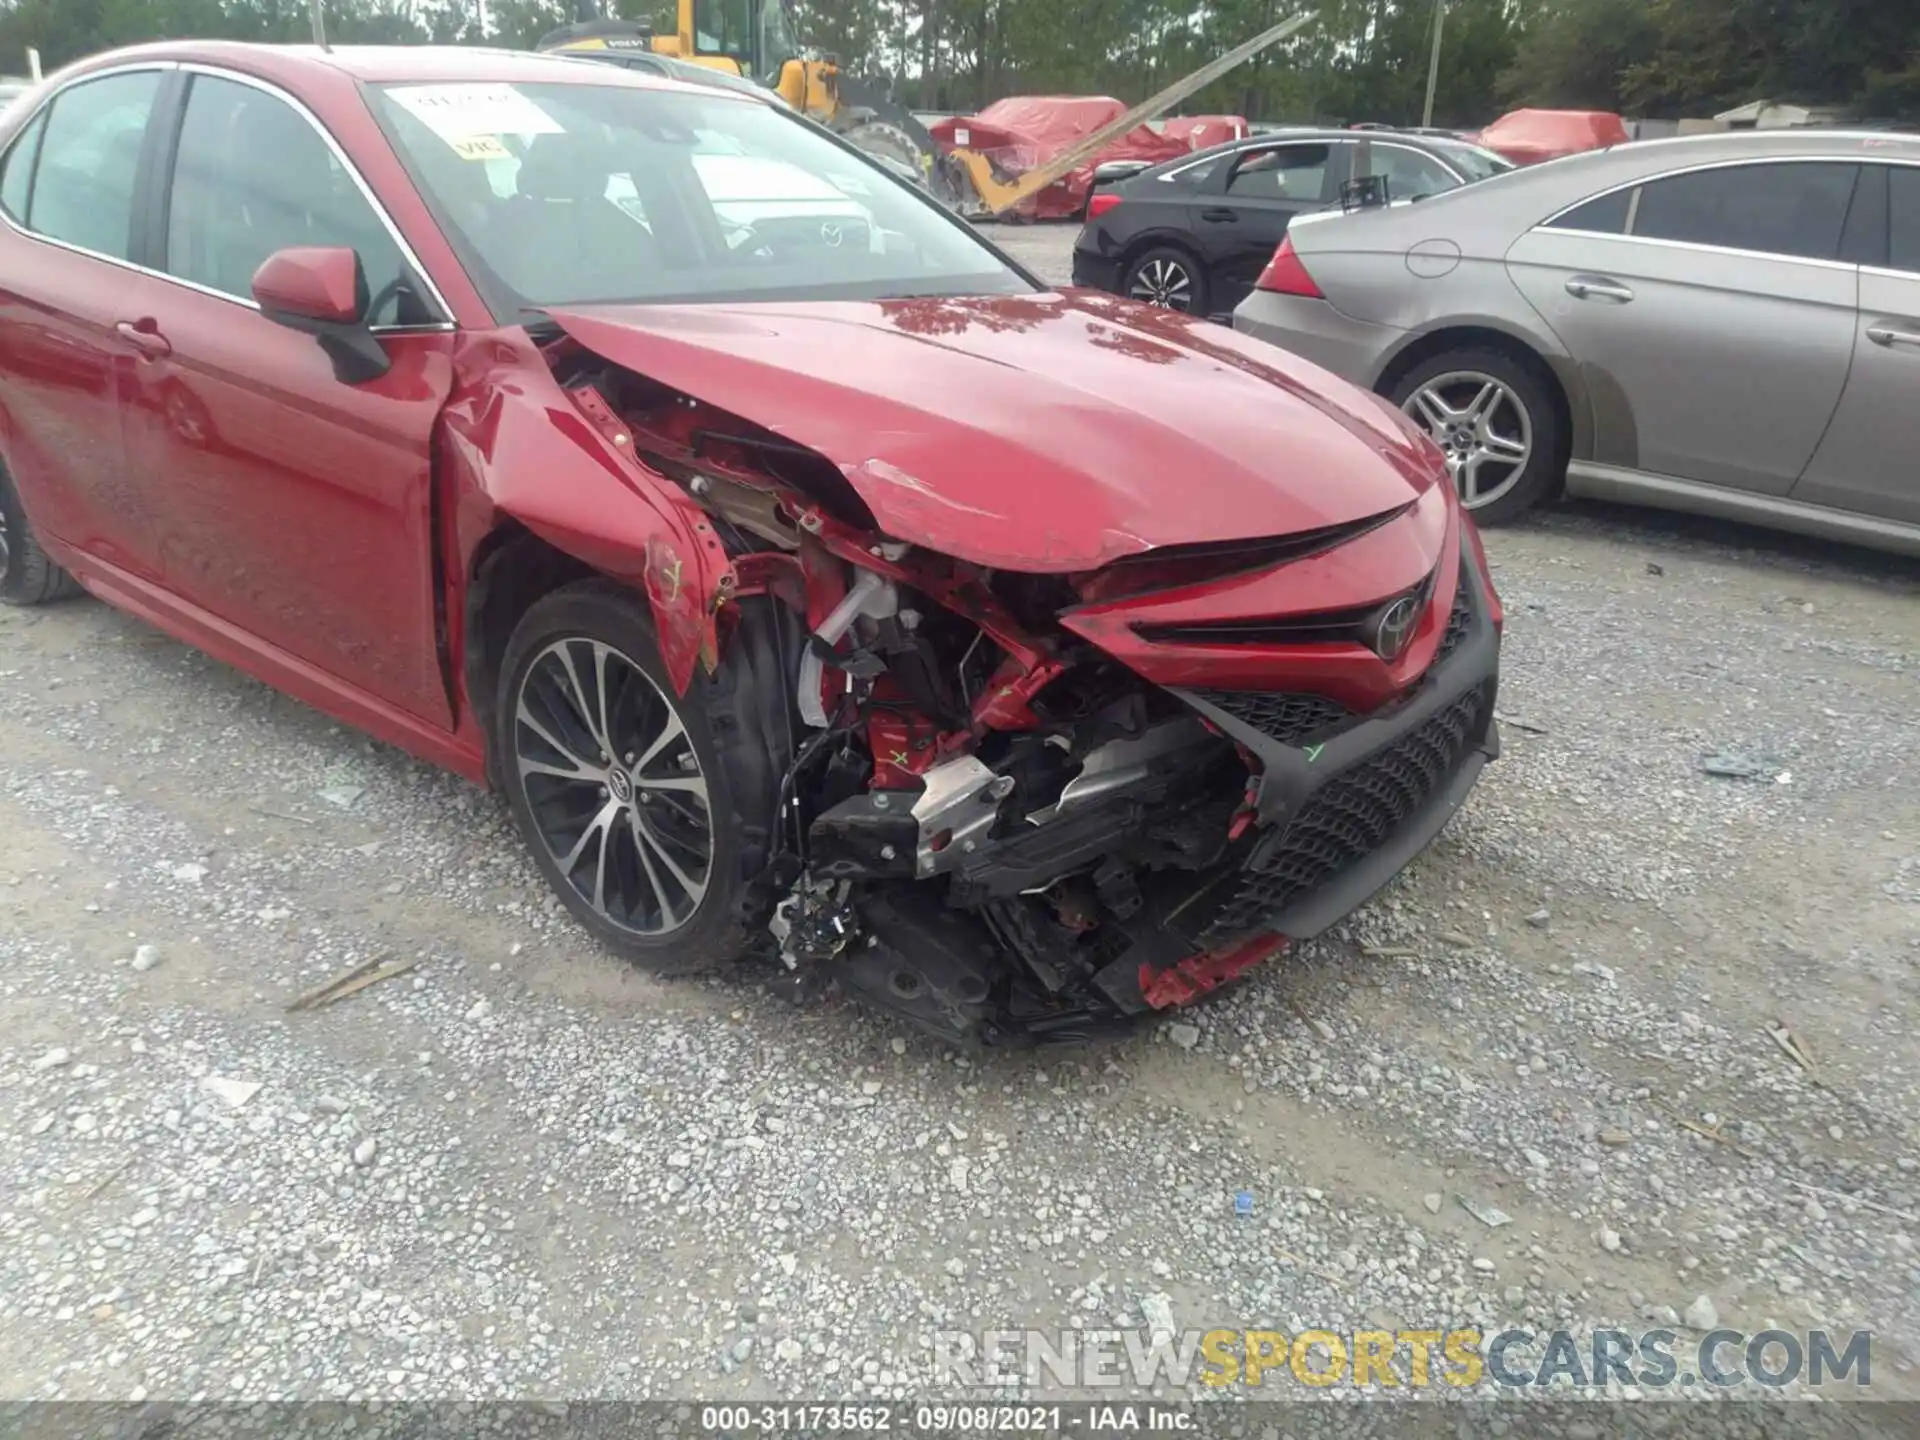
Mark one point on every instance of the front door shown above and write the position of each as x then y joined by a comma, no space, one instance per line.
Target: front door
1241,213
292,506
1711,312
68,188
1867,461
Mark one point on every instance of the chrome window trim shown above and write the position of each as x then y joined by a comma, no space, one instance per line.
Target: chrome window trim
245,301
299,108
26,123
1889,271
132,67
1177,173
1697,248
1268,140
1633,207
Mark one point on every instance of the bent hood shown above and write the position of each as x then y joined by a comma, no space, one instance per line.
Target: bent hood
1037,432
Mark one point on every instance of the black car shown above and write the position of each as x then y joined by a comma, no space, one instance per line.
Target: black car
1194,233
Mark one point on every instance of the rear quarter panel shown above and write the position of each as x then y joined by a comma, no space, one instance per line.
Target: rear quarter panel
1424,270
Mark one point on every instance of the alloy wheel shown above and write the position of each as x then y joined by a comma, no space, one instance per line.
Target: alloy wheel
614,786
1165,283
1481,427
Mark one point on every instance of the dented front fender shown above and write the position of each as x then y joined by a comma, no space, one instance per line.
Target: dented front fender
515,444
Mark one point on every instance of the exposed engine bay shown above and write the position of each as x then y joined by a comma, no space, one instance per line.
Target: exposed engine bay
989,826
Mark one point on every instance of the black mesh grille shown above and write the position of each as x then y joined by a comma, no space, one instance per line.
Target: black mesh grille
1279,716
1348,818
1460,619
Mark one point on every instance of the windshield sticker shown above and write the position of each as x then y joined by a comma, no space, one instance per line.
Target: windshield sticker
481,147
461,114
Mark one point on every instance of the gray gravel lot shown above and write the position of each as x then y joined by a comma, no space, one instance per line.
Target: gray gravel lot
521,1169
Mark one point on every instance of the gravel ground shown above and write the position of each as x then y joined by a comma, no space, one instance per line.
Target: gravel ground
522,1170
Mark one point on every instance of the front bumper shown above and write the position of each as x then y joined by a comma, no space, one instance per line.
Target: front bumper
1096,272
1344,806
1344,802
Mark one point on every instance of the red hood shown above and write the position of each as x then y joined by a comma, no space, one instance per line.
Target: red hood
1037,432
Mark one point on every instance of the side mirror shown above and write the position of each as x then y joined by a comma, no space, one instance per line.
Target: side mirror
322,291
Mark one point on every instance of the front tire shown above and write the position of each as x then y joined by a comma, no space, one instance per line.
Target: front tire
1169,278
27,576
648,813
1495,420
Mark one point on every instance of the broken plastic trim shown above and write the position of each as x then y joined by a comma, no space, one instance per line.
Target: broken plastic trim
1171,567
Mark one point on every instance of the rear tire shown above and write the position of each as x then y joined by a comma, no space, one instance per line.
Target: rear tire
1506,456
1169,278
27,576
653,854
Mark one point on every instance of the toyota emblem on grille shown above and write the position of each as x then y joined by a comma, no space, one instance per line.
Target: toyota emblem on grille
831,234
1395,628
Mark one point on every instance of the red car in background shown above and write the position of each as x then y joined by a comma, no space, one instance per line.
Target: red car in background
815,583
1526,137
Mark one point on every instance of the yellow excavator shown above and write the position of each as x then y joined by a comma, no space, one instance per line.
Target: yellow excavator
752,41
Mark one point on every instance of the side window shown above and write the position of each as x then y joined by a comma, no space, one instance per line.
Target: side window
253,176
720,28
1410,173
1779,209
1193,177
16,180
1903,206
89,164
1294,172
1604,216
1863,239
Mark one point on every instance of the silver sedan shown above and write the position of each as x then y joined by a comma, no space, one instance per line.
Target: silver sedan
1726,324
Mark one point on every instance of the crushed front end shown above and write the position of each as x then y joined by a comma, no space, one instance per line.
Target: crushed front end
1090,809
1024,808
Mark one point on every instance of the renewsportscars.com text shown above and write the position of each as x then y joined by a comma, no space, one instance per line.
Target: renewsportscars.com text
1129,1360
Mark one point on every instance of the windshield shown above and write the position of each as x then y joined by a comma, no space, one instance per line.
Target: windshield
776,40
576,194
1473,162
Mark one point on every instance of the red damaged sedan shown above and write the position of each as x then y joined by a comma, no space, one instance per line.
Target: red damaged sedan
819,587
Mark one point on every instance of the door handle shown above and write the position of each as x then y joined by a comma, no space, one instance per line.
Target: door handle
1882,335
144,336
1220,214
1595,287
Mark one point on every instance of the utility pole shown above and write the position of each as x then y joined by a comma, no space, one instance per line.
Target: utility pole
1433,63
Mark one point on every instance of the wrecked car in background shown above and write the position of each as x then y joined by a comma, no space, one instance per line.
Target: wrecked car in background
1024,132
1527,137
839,604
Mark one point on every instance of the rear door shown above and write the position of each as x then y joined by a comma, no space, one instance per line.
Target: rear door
290,505
1867,461
68,190
1242,212
1712,312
